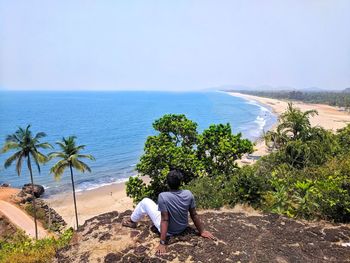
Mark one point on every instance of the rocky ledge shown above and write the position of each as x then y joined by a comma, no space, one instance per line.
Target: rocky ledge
241,237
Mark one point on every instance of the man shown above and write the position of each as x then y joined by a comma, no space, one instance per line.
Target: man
170,216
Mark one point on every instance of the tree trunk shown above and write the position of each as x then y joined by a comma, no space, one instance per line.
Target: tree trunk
33,200
75,202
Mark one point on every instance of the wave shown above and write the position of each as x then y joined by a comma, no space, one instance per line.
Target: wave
264,121
90,185
261,121
261,107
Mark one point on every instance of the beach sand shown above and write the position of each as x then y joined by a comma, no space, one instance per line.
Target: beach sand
91,202
113,197
330,118
6,193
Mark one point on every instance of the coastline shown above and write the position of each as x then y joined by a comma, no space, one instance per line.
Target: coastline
113,197
329,117
92,202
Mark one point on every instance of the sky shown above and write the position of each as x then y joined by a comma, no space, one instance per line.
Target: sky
173,44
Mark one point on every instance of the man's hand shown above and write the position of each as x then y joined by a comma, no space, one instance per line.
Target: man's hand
161,250
207,234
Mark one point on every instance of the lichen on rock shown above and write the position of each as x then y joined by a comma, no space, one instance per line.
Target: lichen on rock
240,237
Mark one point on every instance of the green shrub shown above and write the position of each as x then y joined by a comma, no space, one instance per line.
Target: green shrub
40,212
23,249
245,186
208,192
137,189
333,197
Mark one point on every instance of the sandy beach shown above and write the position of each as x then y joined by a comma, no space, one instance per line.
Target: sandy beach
330,118
113,197
91,202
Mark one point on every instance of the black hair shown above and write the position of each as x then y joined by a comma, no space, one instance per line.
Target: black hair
174,179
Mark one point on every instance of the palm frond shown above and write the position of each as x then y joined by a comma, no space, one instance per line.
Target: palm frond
80,166
9,146
88,156
311,113
40,157
44,145
12,138
19,164
40,135
12,158
57,155
58,168
69,156
80,147
62,145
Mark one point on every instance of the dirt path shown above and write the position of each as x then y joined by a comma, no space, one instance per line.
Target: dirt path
21,220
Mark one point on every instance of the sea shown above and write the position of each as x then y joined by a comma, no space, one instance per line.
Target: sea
114,127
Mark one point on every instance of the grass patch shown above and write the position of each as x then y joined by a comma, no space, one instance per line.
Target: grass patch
21,248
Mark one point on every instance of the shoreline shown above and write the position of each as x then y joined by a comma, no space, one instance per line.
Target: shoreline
329,117
113,197
92,202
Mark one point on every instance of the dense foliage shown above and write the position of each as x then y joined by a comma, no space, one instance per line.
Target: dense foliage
340,99
21,248
306,176
179,146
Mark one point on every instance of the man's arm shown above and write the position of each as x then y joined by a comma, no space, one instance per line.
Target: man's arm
164,223
197,222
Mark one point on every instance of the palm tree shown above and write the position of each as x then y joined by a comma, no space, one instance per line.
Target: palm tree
274,140
296,122
70,159
27,146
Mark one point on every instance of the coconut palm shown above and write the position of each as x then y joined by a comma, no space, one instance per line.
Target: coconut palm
70,159
274,140
26,147
296,122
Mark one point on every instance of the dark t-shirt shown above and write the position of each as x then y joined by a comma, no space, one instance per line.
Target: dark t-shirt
177,204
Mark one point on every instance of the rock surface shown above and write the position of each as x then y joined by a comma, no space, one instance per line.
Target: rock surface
240,238
38,189
52,219
25,195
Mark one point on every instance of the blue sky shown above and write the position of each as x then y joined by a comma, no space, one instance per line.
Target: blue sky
173,45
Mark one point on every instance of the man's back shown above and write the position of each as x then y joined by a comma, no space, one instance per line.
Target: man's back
176,203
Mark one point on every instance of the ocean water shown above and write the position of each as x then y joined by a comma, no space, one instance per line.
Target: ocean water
114,127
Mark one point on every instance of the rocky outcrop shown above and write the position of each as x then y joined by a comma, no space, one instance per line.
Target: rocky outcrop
49,217
240,238
26,194
53,220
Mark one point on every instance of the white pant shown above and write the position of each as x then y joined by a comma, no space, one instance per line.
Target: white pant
147,207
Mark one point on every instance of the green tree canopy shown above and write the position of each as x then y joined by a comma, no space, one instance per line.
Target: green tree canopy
218,149
179,146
